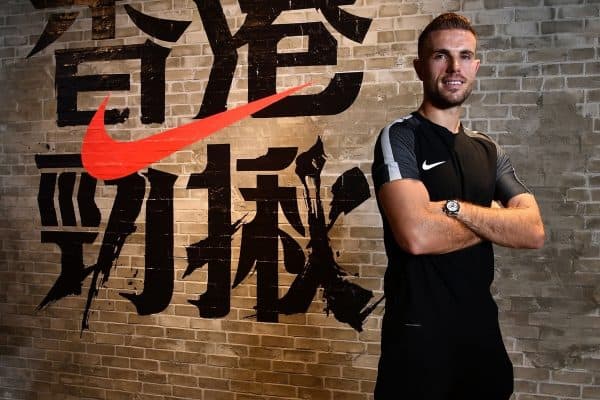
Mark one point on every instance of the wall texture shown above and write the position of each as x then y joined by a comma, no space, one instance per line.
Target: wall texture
231,271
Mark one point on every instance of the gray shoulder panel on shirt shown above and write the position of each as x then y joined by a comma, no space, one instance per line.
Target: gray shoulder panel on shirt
387,149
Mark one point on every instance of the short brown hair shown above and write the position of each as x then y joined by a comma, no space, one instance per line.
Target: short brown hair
442,22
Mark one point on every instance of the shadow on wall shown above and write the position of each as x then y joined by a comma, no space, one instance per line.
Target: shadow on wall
550,298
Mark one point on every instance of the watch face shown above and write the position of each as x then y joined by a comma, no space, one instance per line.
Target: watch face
452,206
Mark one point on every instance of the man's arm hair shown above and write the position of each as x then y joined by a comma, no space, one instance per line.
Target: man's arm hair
419,226
519,225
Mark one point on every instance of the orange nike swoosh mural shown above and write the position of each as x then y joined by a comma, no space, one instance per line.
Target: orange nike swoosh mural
105,158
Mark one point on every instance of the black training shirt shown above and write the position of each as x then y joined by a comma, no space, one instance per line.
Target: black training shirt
447,289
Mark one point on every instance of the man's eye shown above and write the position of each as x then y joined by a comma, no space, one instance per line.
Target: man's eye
439,56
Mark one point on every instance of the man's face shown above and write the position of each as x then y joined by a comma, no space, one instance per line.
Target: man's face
448,67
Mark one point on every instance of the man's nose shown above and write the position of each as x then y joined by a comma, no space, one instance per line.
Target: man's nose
453,64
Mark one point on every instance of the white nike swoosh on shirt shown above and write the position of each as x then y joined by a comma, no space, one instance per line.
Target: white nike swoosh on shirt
427,167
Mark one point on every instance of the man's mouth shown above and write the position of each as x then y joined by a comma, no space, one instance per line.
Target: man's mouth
453,83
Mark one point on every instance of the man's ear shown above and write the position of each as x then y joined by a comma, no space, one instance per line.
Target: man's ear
418,65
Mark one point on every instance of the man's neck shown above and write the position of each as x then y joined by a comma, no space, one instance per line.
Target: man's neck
448,118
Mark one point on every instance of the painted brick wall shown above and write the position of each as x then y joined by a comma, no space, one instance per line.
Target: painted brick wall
538,94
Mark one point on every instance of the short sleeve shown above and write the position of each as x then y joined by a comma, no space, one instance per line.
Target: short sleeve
508,184
394,154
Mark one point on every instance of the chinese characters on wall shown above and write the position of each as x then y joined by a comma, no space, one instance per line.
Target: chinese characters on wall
315,267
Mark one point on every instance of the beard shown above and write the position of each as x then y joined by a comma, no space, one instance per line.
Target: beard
444,100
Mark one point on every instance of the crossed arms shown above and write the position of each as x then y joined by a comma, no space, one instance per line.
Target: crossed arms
421,227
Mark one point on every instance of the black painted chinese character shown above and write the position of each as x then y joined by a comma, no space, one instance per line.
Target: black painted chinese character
260,236
159,271
215,250
262,37
151,55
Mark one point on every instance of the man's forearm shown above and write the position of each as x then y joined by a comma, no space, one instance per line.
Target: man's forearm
441,234
519,226
419,226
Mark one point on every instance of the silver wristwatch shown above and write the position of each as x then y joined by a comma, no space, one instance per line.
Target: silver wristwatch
451,208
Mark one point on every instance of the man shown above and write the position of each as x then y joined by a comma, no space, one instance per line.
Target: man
446,193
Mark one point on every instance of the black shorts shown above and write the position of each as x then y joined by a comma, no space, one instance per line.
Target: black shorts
420,365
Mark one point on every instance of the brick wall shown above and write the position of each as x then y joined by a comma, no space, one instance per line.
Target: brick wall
538,94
